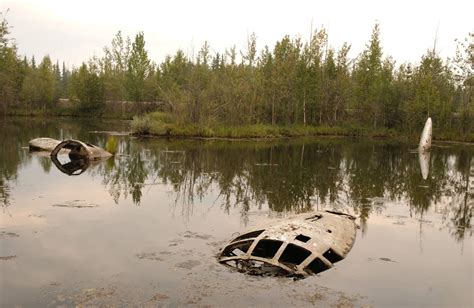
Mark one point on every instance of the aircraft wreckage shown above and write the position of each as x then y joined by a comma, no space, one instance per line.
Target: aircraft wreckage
75,148
426,136
424,148
305,245
81,154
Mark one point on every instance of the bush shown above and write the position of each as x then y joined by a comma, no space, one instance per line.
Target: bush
163,117
141,125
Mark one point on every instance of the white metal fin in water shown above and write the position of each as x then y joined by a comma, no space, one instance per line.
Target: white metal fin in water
424,158
425,140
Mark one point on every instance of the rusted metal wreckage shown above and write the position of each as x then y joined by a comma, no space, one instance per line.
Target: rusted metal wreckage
79,149
76,148
81,154
307,244
43,144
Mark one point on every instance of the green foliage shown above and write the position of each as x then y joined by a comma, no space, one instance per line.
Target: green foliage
88,88
370,84
11,68
296,83
114,66
164,124
463,74
138,69
20,81
111,145
40,86
141,125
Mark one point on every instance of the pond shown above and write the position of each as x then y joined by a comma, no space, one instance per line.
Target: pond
144,227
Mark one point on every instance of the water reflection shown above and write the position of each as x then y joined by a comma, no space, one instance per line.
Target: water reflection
73,167
15,134
424,159
457,213
298,177
293,176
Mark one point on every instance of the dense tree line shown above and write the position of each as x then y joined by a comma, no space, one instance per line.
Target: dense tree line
295,83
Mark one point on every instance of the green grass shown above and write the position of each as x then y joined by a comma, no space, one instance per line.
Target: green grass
451,136
163,124
112,145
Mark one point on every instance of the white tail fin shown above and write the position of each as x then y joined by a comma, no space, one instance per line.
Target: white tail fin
425,140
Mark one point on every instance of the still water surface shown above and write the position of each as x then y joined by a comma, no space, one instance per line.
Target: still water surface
144,227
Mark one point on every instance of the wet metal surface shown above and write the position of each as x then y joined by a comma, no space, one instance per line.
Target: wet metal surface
43,144
81,155
144,227
426,135
79,149
296,246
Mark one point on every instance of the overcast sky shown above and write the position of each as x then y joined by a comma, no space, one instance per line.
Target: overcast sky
73,31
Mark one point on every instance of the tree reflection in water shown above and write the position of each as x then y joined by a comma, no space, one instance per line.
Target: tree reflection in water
15,132
298,176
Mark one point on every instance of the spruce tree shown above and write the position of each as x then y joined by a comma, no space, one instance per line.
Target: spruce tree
138,69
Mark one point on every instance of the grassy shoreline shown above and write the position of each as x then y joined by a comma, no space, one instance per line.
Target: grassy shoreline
162,125
247,133
158,124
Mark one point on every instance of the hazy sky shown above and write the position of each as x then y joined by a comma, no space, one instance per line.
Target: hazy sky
73,31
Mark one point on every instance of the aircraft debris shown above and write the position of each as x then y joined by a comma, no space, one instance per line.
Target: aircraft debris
305,245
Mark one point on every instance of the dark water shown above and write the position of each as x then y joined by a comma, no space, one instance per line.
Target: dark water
143,228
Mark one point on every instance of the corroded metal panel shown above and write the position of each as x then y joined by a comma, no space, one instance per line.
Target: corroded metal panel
80,149
75,148
300,246
43,144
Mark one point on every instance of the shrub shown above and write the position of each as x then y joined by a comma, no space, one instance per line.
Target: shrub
141,125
